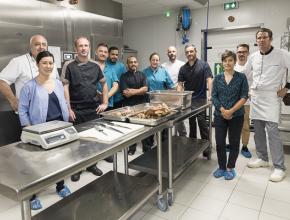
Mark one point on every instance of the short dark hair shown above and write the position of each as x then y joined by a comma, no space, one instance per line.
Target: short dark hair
42,55
229,53
153,54
129,57
80,37
244,45
267,30
102,44
113,48
189,45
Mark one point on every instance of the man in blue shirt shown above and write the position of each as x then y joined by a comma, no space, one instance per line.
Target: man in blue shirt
119,68
109,73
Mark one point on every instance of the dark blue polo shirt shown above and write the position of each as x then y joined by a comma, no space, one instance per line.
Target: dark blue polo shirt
195,78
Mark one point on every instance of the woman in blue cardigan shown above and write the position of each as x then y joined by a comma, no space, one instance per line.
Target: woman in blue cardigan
229,94
42,100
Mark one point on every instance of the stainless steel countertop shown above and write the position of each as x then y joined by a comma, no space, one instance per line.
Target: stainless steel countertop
26,169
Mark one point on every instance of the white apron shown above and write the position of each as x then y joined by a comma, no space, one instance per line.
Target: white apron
265,105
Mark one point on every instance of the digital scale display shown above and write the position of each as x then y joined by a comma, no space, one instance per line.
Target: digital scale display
54,138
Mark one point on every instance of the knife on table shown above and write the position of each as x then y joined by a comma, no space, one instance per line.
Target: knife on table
109,127
117,125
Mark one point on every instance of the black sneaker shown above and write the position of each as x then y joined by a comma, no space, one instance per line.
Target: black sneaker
95,170
76,177
131,152
109,159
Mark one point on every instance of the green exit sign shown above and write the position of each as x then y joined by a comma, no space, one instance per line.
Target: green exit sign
231,5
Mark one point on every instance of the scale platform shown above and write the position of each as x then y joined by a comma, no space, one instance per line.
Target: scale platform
49,134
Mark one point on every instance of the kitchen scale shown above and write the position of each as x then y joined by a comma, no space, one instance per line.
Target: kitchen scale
49,134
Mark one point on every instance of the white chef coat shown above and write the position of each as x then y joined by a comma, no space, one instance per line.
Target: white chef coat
20,70
173,69
268,72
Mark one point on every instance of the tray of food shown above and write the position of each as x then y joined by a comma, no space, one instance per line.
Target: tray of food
120,114
153,114
172,97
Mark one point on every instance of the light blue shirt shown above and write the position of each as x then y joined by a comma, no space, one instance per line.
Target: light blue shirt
111,77
158,79
33,102
119,68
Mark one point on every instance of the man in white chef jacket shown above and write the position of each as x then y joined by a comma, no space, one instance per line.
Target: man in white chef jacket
268,66
21,69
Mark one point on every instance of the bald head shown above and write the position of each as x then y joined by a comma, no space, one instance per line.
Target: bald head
38,43
171,53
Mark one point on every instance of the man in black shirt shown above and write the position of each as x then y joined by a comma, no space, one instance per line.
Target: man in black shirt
196,76
133,87
80,77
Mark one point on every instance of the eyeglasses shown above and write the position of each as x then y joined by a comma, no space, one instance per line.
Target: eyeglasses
242,52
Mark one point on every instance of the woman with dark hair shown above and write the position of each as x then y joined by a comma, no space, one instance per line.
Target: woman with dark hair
157,79
42,100
229,94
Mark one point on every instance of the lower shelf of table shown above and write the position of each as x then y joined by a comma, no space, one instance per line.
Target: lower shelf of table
184,151
112,196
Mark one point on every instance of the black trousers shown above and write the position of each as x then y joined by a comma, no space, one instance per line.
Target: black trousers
84,115
202,124
234,127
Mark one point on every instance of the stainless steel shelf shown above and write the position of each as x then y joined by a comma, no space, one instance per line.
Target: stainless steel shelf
184,151
112,196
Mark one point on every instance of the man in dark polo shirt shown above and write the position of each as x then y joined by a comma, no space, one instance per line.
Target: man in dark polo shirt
196,76
80,77
133,87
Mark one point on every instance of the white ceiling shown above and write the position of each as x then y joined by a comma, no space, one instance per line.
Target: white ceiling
144,8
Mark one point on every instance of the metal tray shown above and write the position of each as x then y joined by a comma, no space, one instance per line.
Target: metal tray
171,97
113,115
152,122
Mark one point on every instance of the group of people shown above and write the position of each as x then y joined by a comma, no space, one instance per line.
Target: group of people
252,88
88,87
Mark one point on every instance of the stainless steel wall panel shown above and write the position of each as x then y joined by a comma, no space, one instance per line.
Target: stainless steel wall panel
53,22
20,19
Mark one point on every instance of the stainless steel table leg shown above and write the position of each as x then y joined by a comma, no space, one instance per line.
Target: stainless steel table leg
25,210
161,202
170,176
126,161
115,162
210,133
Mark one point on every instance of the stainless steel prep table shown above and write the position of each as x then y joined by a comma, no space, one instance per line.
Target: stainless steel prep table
27,169
185,150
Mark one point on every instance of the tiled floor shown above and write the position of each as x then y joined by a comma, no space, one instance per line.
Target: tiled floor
198,195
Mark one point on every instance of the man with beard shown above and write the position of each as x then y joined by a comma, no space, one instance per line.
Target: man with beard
80,77
268,67
119,68
196,76
109,73
133,86
172,66
19,71
242,57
